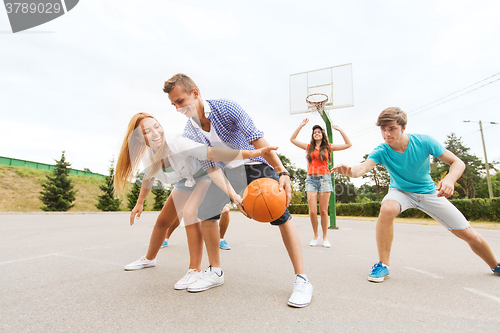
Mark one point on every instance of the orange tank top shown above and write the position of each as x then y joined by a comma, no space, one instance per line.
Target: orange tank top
317,167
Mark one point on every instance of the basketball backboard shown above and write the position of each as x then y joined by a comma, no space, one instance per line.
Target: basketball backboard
335,82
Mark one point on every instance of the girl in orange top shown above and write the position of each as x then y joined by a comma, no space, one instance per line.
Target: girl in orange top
318,181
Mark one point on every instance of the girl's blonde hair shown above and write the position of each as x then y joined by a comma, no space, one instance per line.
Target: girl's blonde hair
132,151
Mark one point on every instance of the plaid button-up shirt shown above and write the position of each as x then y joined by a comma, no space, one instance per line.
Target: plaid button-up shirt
231,123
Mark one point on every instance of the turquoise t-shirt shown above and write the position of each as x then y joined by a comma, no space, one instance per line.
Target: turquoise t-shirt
410,170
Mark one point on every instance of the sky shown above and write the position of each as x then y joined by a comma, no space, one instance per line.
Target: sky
73,83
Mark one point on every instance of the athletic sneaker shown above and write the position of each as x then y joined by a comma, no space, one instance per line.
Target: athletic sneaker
379,272
326,243
496,270
314,242
302,292
191,277
140,264
208,279
224,245
165,244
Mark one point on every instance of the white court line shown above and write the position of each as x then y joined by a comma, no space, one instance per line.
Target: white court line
479,292
256,245
25,259
426,273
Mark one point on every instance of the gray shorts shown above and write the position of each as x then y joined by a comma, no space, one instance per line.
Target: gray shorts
439,208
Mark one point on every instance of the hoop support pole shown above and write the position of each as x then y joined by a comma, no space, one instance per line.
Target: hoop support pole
332,209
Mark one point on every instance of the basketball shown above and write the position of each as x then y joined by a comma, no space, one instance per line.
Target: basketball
263,201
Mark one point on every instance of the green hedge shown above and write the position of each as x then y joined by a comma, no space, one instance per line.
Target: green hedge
473,209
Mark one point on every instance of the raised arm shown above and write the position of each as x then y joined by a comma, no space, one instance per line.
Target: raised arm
355,171
347,141
446,186
293,138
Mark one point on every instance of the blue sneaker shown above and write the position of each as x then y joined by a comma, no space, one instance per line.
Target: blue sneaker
224,245
379,272
165,244
496,270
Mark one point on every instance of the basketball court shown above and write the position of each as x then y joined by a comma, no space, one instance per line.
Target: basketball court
64,273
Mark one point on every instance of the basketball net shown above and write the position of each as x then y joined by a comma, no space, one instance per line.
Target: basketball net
317,102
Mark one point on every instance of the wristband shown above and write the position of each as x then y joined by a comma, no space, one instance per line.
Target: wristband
284,173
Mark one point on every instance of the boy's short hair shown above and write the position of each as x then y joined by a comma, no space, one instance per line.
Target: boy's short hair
182,80
392,114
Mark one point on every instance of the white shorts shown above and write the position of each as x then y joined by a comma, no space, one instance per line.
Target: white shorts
439,208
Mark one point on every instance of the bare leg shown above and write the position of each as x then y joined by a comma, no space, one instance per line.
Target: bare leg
210,231
223,222
312,201
324,198
174,226
165,220
193,228
478,244
292,244
385,229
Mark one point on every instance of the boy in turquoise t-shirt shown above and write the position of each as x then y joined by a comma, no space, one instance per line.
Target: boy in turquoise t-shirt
407,158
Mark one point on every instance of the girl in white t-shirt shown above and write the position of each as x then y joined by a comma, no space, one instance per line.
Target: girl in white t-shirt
170,159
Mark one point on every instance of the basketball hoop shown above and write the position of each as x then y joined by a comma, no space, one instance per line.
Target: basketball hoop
317,101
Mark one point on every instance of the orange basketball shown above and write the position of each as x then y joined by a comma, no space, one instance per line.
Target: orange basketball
263,200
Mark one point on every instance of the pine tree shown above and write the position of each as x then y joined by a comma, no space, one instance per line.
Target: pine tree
135,190
58,194
161,195
107,201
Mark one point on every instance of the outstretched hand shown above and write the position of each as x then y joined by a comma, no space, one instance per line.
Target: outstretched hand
342,169
136,211
446,188
337,128
304,122
265,150
239,203
285,186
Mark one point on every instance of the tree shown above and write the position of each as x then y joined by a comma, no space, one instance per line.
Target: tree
107,202
135,190
380,176
345,191
474,167
57,194
297,178
161,195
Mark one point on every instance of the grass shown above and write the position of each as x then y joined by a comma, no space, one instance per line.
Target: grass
20,188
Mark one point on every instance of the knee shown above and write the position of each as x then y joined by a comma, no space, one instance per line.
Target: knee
390,209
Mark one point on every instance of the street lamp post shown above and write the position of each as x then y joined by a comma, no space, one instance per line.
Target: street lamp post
490,188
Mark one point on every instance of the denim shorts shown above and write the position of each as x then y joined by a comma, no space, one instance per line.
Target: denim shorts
181,184
439,208
319,184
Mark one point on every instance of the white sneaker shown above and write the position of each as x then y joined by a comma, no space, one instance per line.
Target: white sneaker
302,293
140,264
314,242
326,243
191,277
208,279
